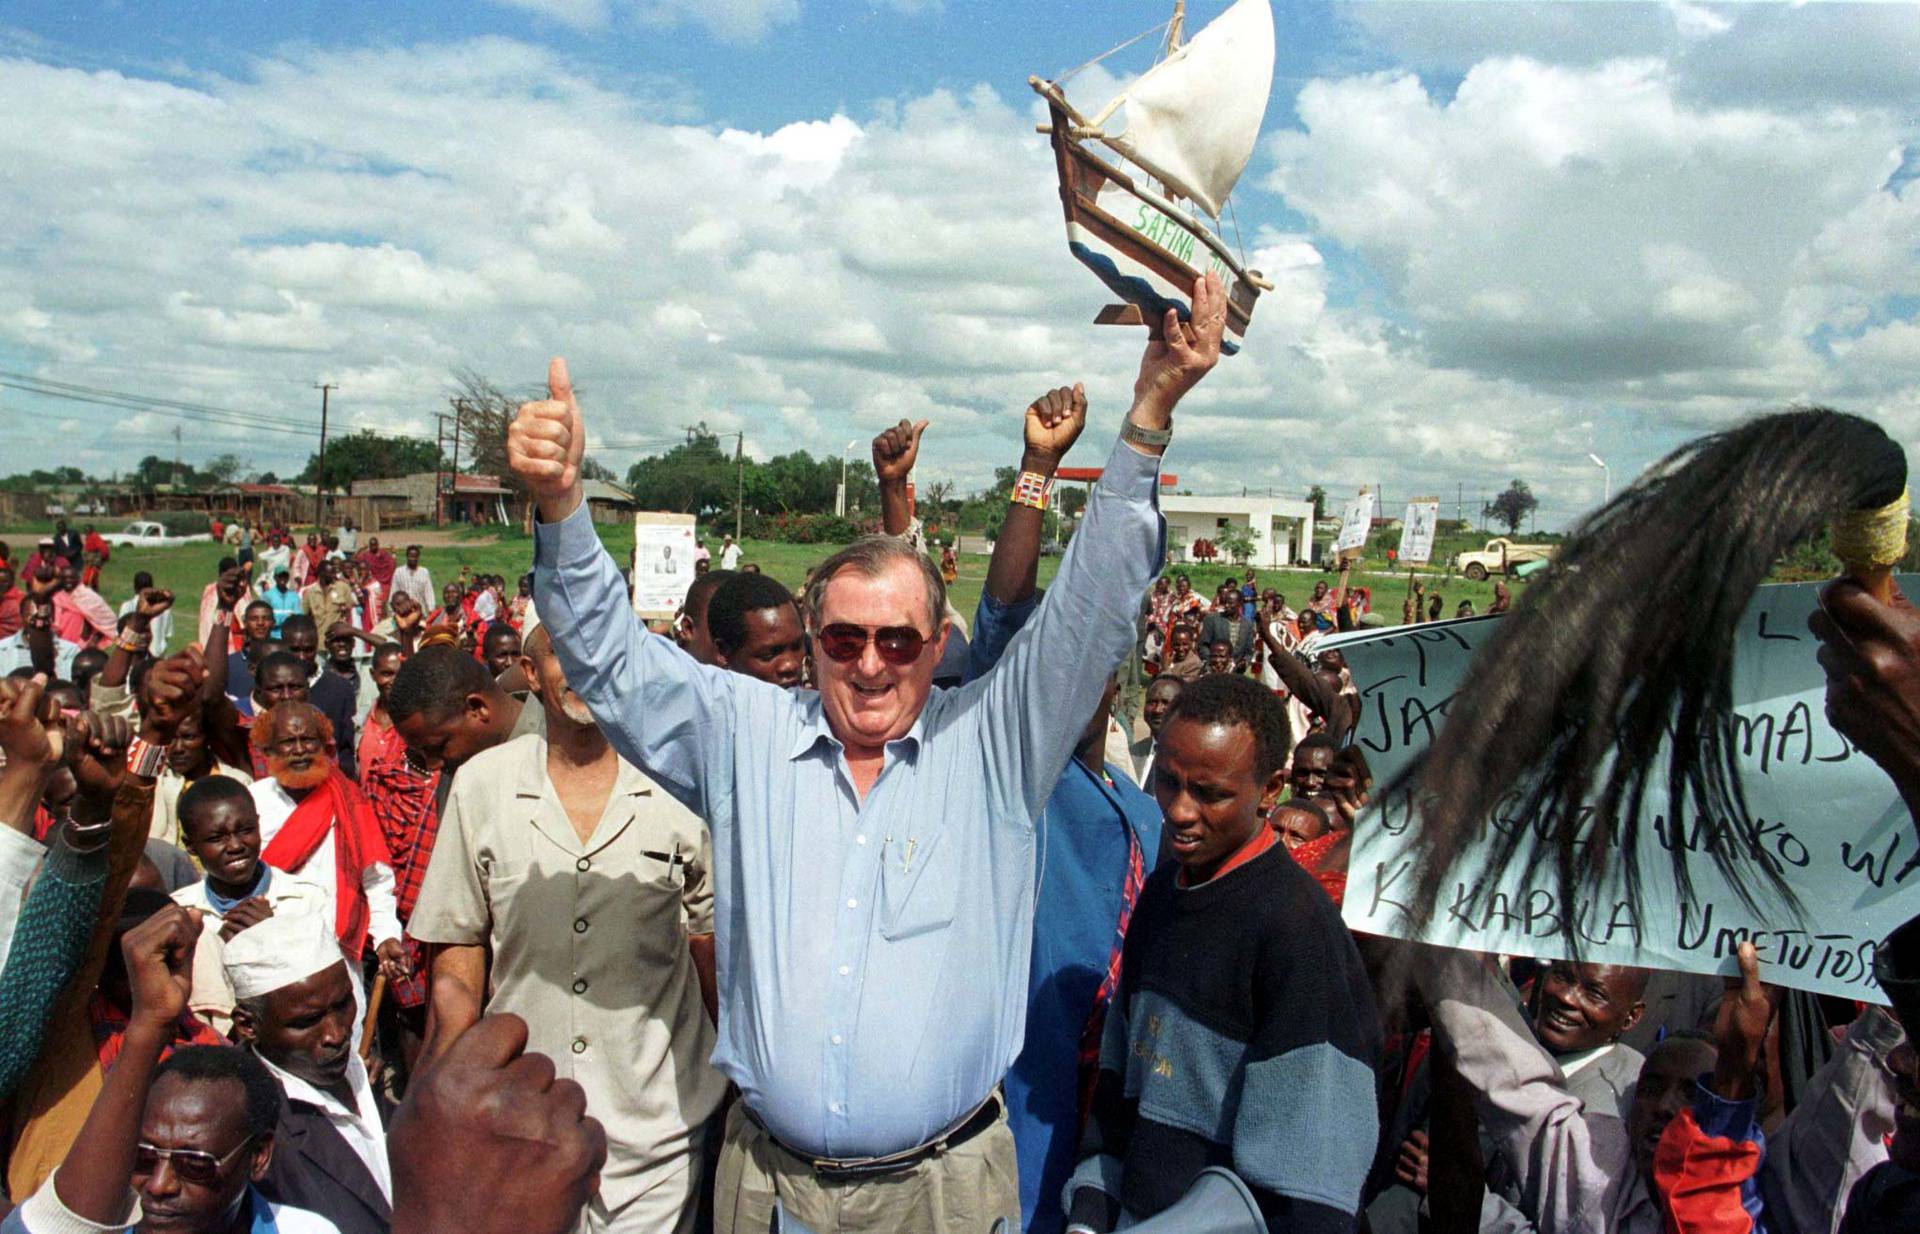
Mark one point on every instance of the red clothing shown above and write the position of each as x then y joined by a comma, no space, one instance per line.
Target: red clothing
381,566
335,807
43,559
110,1032
81,616
1326,859
11,619
404,802
377,739
95,544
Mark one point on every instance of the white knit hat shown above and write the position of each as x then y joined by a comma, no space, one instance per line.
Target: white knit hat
292,945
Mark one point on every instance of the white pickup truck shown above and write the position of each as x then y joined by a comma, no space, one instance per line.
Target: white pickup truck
1501,556
148,535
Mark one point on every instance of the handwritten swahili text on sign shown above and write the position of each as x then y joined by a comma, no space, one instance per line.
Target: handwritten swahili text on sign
1820,811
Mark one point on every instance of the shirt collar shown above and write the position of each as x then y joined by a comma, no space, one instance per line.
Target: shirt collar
298,1089
220,904
814,729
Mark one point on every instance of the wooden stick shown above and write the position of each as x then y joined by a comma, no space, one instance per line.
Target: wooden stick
374,997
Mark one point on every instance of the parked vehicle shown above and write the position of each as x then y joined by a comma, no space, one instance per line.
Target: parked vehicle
148,535
1501,556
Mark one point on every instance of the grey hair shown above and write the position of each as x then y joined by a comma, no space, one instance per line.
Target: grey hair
871,555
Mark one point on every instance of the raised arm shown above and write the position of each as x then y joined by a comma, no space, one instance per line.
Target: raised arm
649,697
1053,423
1054,672
895,451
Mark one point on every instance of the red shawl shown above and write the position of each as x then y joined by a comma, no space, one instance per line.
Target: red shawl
335,806
1326,859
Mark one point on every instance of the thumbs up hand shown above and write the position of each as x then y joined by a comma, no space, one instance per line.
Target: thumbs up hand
546,443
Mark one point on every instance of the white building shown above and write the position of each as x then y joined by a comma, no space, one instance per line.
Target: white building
1282,527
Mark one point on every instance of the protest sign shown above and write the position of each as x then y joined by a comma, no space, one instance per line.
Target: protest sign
1356,519
1824,812
1416,530
663,549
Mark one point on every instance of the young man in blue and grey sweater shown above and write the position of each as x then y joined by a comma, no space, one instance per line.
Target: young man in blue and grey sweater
1245,1034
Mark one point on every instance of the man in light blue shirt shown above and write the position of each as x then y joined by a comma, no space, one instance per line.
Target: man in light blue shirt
873,841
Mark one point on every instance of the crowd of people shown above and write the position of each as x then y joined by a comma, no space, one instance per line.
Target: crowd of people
378,908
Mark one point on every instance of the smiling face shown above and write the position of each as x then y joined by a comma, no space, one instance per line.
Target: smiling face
258,622
1583,1006
225,835
305,1029
1310,766
451,595
869,702
1160,696
1207,783
206,1116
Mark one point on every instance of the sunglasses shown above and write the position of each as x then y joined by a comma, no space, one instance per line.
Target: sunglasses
192,1165
898,645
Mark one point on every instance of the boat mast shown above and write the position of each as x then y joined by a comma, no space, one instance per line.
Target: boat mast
1177,26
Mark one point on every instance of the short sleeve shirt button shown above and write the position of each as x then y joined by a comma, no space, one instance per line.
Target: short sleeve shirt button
579,1045
580,926
583,865
580,986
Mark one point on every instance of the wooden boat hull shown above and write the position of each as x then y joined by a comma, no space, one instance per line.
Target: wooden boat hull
1147,256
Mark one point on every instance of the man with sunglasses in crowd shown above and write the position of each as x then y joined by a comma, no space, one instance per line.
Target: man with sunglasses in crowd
874,844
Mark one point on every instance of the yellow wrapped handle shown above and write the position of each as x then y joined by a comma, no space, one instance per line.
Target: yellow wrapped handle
1869,543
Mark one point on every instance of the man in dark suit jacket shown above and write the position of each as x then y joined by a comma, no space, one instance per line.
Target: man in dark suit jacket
295,1007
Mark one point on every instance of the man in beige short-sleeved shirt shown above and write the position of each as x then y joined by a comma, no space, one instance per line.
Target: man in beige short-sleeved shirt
585,881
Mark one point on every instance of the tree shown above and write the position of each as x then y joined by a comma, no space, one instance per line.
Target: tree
1512,506
593,469
1236,542
223,468
1318,496
482,413
366,455
695,477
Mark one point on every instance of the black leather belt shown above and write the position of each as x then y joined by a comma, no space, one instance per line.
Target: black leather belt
847,1169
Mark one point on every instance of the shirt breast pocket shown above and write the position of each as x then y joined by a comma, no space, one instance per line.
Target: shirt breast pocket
919,886
502,881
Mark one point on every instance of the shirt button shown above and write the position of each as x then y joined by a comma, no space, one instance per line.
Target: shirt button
853,904
580,926
836,1039
579,1045
580,986
844,970
859,839
838,1108
583,865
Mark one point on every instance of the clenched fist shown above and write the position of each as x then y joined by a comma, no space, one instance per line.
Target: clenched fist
546,443
1054,421
896,449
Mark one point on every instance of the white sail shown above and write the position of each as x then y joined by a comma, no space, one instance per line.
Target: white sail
1196,115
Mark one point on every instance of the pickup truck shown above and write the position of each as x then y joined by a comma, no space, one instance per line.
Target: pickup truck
1501,556
148,535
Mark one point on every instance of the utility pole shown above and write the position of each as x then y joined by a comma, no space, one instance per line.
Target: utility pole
459,406
320,475
176,457
439,468
739,481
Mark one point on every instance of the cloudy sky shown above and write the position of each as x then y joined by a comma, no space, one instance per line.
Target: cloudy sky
1504,235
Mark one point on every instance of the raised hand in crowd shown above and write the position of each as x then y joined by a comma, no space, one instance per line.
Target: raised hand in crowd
1746,1013
172,691
896,450
546,443
96,750
1349,783
231,588
34,742
1871,654
152,602
488,1110
1180,354
1055,421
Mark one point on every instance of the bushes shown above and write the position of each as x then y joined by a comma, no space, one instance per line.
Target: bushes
182,522
799,528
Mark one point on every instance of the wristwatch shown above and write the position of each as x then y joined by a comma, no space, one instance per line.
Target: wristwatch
1129,431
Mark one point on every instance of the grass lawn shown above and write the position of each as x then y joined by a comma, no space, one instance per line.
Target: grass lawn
188,568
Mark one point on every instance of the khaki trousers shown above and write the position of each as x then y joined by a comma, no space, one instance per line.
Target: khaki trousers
962,1191
667,1207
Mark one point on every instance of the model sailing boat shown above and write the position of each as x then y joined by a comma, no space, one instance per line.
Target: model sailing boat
1191,124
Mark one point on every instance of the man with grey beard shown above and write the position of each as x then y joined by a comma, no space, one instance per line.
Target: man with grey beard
567,888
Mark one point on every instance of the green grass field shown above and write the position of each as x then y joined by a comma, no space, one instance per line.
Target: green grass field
187,569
